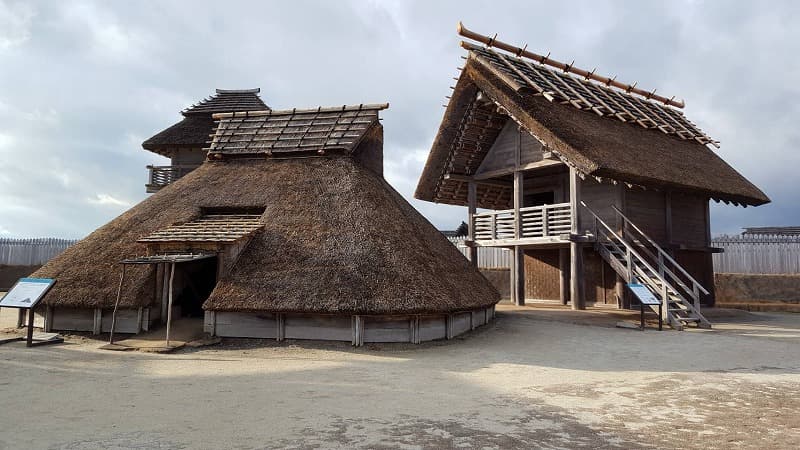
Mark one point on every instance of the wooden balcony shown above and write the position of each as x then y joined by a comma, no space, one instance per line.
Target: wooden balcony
535,225
161,176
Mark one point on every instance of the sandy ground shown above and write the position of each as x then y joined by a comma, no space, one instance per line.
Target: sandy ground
535,378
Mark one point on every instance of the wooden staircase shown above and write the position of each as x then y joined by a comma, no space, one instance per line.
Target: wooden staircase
638,259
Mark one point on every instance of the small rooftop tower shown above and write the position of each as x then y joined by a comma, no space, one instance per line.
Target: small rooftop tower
184,142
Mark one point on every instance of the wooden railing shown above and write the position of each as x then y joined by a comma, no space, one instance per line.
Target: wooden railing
161,176
536,222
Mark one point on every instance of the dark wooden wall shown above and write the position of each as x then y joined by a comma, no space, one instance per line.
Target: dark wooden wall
647,209
599,280
689,221
542,275
600,197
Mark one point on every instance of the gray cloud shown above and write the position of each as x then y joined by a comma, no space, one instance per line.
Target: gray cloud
84,83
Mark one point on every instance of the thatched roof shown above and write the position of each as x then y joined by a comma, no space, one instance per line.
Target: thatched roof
602,132
336,238
195,130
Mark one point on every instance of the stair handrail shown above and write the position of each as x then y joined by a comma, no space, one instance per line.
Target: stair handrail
628,247
662,253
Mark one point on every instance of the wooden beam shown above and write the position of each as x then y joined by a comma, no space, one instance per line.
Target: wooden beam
472,194
469,179
510,170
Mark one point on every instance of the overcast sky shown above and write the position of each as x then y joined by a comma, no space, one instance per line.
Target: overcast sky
83,83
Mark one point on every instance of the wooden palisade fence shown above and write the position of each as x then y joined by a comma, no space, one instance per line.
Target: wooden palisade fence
757,254
31,252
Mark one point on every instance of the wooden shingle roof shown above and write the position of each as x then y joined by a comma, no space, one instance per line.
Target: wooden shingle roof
293,131
226,100
209,228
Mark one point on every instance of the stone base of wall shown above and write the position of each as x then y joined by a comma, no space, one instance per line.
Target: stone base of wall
757,292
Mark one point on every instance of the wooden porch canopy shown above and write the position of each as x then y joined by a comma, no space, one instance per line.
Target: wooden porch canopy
170,259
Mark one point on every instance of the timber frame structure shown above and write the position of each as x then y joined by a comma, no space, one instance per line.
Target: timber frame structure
592,183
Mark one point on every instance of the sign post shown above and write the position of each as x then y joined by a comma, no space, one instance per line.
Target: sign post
24,295
646,298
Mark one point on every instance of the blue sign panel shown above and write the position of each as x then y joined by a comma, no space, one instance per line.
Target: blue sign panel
643,294
26,293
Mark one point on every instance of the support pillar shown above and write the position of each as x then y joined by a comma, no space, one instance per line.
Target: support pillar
518,287
577,297
576,276
472,200
563,266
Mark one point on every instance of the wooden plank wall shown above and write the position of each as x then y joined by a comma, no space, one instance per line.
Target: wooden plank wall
502,155
542,275
599,279
647,209
600,197
689,224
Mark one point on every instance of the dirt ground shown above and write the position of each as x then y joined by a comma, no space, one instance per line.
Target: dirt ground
535,378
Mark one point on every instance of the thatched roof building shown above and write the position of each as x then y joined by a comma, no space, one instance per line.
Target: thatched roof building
305,227
593,183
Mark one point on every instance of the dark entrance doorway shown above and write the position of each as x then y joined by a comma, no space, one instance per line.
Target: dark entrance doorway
197,279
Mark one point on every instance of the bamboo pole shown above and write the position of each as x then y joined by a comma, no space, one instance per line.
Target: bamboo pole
569,68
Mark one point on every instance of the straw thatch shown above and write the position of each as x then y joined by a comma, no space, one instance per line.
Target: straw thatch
336,239
601,146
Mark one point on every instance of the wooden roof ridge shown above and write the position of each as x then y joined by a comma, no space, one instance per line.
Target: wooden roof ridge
581,93
299,111
567,68
238,91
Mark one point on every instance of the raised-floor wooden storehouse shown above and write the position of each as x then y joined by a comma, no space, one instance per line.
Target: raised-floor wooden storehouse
286,230
591,183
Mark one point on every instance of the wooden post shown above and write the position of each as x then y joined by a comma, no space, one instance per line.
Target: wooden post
164,293
31,315
472,195
169,303
48,319
519,180
518,263
519,275
116,304
575,248
563,266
